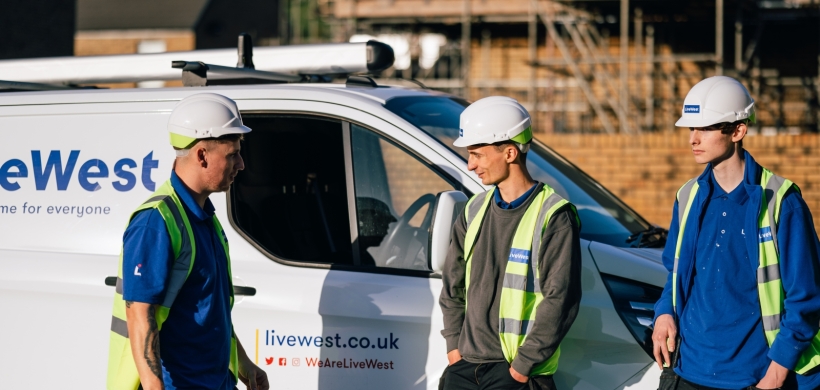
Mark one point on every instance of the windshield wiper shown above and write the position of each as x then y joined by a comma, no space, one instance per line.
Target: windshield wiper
654,237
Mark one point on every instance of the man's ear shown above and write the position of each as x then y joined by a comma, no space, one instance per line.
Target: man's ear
202,156
740,132
511,153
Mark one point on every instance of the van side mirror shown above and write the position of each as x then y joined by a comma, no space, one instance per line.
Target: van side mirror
447,207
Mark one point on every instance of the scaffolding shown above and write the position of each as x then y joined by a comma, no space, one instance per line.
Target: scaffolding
573,78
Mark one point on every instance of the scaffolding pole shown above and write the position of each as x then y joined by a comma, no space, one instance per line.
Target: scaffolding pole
582,39
624,95
466,27
486,48
650,89
638,53
579,76
738,46
532,42
719,37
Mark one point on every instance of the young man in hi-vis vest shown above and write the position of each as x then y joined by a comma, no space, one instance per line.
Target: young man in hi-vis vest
742,301
171,326
512,277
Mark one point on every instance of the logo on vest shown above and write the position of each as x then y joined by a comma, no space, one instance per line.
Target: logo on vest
691,109
137,270
764,234
519,255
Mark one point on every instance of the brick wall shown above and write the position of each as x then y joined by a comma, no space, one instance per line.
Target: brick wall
646,170
500,66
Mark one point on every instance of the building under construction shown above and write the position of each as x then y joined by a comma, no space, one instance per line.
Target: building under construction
591,66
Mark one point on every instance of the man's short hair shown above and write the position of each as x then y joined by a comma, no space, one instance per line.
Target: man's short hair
502,144
729,127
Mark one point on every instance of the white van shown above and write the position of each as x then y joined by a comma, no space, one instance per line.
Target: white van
337,227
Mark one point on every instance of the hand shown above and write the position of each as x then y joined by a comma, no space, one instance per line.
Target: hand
252,376
663,339
453,356
774,378
518,377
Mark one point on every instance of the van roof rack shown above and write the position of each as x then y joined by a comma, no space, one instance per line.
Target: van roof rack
200,74
19,86
297,63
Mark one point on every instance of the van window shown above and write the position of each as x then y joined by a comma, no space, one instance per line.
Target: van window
395,192
291,199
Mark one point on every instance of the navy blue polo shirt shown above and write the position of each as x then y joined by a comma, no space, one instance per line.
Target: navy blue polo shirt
723,344
195,340
515,203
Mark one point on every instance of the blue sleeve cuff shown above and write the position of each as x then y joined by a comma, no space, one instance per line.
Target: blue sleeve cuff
662,307
785,352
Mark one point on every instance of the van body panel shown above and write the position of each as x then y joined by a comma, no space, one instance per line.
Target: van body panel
103,153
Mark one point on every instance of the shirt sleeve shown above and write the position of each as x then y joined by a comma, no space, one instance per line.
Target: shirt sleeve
800,275
559,270
664,304
453,287
146,258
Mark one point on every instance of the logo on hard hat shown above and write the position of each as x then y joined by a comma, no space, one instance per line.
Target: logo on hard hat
691,109
460,132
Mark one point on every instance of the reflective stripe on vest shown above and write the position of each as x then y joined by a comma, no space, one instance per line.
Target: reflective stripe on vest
521,293
122,371
769,285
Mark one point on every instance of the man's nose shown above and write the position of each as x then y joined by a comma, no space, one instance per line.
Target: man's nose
694,137
471,164
241,164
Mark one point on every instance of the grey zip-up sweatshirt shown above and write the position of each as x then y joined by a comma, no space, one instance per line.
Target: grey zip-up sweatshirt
475,334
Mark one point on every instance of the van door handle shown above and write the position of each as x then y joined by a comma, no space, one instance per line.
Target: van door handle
244,290
111,281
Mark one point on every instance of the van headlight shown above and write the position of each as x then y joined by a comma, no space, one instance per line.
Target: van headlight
635,303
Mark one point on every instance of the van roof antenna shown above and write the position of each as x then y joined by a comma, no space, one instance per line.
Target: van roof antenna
195,73
245,49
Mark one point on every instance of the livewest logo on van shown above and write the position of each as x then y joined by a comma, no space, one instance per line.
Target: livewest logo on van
90,175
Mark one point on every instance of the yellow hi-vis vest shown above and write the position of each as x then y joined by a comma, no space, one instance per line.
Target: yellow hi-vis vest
122,371
521,292
769,286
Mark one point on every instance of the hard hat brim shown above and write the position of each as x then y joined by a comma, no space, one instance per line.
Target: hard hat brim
462,143
241,129
691,122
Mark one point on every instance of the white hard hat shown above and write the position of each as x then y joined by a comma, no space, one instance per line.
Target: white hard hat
715,100
204,115
495,119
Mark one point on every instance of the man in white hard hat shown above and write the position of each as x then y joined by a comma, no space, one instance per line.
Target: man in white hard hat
742,301
515,256
171,326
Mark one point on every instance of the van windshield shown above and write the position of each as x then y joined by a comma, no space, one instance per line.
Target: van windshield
604,217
